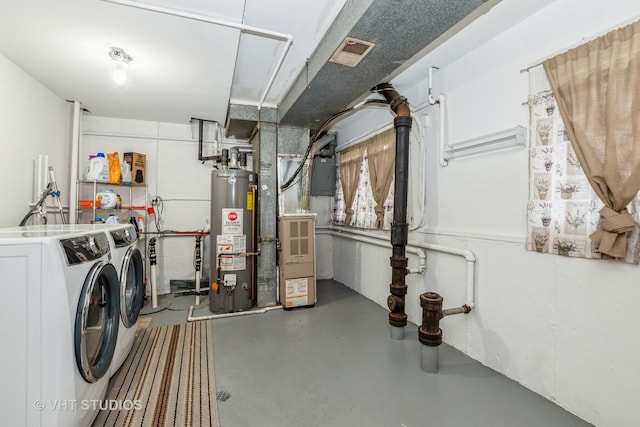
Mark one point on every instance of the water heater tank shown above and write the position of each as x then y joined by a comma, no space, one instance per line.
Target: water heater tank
233,241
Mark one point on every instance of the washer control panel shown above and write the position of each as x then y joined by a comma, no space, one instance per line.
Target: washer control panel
85,248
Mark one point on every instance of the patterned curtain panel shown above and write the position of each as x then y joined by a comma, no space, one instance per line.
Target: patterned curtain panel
563,209
381,152
364,204
349,168
596,87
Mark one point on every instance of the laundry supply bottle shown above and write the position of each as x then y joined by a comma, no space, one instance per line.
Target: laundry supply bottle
103,174
140,225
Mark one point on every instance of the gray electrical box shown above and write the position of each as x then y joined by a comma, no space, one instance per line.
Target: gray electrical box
323,176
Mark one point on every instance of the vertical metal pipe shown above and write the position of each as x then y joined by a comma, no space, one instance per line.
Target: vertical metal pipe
429,333
400,228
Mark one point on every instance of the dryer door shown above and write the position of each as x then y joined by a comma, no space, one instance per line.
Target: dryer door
131,287
96,328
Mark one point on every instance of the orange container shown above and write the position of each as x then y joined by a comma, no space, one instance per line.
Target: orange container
85,204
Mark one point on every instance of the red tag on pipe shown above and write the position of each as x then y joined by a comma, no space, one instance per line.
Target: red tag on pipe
150,210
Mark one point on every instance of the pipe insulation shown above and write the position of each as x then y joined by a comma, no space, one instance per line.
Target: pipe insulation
152,266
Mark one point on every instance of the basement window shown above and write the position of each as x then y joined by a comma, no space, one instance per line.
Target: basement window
376,153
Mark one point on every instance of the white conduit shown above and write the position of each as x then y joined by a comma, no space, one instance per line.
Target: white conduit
467,254
442,131
75,148
375,240
191,318
287,38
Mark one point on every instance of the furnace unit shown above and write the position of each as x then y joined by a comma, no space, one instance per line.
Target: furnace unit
296,238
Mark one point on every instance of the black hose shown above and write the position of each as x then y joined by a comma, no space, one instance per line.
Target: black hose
322,131
35,207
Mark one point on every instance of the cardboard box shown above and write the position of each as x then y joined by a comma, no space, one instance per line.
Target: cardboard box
138,163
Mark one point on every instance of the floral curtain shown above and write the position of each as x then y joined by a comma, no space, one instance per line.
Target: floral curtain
595,86
563,209
364,205
381,151
350,161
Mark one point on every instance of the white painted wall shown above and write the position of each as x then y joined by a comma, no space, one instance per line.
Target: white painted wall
565,328
33,121
173,172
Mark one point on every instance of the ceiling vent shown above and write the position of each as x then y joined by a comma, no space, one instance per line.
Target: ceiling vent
351,52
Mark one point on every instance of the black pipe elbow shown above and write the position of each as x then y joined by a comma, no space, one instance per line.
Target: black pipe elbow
397,102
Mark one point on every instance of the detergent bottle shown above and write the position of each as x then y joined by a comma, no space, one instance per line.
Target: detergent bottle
98,168
103,176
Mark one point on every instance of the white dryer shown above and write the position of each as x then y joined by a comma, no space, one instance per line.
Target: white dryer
130,265
59,324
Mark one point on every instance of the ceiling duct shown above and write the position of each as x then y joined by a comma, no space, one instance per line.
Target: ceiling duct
402,32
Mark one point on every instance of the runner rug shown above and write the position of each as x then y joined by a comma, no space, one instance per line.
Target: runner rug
167,380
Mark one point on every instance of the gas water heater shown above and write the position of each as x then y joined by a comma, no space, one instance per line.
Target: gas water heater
233,239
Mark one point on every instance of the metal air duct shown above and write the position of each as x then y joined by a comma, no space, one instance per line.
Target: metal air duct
402,32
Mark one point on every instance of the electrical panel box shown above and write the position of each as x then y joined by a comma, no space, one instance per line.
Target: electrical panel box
296,237
323,176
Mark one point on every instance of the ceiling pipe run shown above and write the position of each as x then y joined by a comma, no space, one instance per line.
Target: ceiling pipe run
399,228
247,29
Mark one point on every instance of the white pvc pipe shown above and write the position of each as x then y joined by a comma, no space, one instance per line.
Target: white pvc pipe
191,318
75,148
465,253
287,38
364,238
287,45
430,358
442,134
38,182
469,257
45,173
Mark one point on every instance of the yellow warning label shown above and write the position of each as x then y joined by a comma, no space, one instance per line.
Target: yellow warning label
249,201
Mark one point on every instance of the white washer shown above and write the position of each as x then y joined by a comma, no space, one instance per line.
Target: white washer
130,265
59,324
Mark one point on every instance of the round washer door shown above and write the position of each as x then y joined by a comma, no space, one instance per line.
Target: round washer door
131,287
96,327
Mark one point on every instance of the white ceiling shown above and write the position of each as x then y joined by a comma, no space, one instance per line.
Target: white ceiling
185,68
181,68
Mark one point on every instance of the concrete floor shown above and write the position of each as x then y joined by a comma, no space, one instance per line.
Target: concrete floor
335,365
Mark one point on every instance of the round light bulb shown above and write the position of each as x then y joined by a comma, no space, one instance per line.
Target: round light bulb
119,76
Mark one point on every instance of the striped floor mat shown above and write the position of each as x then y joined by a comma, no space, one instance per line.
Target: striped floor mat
167,380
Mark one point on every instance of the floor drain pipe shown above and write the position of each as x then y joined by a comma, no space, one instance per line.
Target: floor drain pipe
429,333
400,228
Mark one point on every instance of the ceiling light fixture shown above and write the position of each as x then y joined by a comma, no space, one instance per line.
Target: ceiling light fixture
121,60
